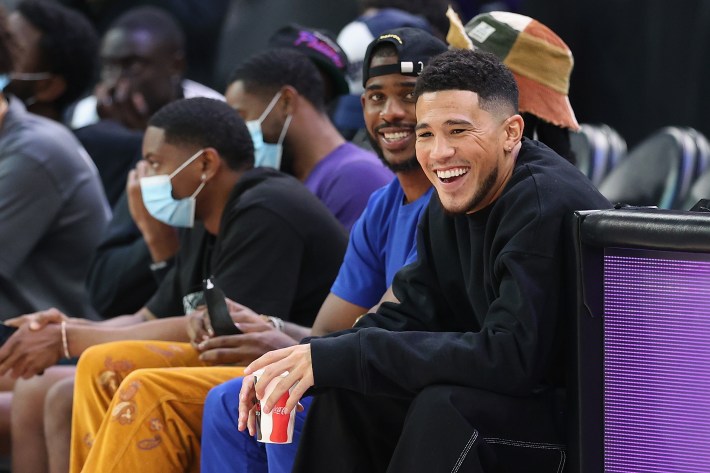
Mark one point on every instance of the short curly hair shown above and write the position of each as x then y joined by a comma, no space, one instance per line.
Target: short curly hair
68,45
204,123
476,71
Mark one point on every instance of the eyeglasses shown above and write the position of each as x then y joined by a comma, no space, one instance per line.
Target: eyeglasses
30,75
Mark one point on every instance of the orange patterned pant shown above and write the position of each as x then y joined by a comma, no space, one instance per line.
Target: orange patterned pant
138,407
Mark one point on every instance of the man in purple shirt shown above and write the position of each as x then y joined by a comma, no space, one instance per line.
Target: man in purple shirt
279,93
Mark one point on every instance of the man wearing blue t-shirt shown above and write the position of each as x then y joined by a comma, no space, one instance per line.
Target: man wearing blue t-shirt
381,242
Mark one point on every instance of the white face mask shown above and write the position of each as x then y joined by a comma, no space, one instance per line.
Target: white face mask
267,154
158,198
4,80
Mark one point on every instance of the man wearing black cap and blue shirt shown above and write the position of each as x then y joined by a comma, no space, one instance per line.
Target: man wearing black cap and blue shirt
466,372
354,38
381,241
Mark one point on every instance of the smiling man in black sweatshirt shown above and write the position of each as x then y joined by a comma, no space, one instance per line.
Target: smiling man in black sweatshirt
466,373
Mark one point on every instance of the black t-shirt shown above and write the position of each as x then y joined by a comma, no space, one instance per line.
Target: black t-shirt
120,280
277,252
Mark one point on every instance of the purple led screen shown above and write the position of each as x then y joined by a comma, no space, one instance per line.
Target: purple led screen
656,361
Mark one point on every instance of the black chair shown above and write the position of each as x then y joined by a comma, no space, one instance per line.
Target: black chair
701,186
703,150
598,149
640,364
617,146
700,190
659,171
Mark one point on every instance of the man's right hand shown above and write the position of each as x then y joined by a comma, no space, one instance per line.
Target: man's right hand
162,239
199,329
121,104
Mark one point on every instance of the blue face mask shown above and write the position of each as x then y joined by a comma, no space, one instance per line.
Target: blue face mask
4,80
158,198
267,154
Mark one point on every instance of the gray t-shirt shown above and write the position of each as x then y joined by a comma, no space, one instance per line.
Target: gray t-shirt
52,214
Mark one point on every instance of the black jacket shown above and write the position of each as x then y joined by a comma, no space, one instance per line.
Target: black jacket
482,305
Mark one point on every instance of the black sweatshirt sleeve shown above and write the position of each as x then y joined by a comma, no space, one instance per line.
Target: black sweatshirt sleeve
506,355
482,307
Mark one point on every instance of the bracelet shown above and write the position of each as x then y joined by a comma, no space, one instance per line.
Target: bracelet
358,319
65,342
158,266
277,323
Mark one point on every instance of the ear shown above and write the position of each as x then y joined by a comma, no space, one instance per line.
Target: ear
50,89
179,64
290,100
211,163
513,129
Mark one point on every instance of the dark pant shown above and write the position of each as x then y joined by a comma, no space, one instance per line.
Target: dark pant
444,429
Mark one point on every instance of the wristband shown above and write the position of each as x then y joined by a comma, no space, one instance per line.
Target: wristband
277,323
158,266
65,342
358,319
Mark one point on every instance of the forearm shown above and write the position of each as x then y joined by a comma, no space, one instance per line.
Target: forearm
295,331
162,246
80,337
126,320
335,314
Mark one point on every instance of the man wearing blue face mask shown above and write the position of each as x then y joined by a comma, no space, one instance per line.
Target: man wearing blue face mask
265,238
279,92
268,154
158,199
57,56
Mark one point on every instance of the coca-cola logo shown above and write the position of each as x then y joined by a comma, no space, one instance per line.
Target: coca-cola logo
280,411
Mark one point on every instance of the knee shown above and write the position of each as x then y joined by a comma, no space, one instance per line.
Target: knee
439,399
105,364
222,402
94,359
139,382
32,392
432,395
28,406
58,405
149,386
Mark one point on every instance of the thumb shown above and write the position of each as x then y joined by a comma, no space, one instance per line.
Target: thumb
38,322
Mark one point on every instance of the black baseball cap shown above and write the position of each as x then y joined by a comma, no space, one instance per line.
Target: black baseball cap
415,47
320,46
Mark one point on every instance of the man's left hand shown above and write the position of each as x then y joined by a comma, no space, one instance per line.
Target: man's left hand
297,361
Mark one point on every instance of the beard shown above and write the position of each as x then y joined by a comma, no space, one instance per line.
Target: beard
408,165
483,191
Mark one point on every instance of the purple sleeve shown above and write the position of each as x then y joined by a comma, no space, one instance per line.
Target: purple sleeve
346,195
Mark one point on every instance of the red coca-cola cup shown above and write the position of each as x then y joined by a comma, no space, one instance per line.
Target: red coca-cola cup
277,425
